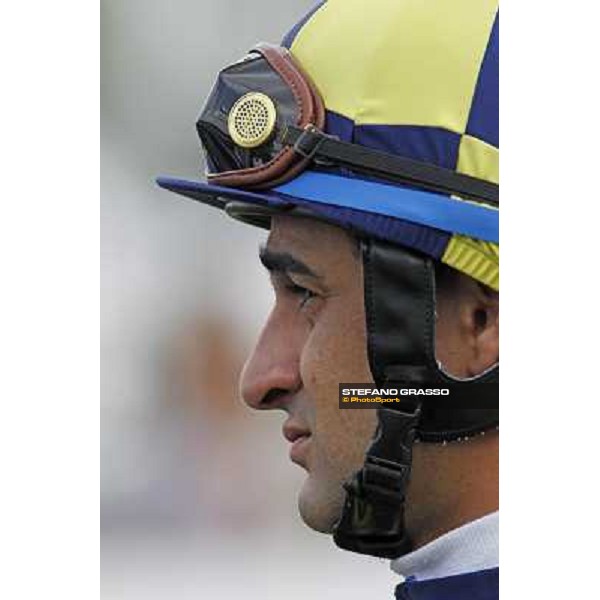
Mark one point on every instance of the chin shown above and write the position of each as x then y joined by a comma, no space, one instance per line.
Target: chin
320,504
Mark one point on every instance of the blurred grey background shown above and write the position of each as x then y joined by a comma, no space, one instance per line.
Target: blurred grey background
198,494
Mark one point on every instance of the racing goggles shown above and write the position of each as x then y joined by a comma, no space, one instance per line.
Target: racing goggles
263,124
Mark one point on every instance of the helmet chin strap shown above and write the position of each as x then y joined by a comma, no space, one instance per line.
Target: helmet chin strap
400,311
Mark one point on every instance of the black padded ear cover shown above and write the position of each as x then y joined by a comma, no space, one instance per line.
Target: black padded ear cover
400,312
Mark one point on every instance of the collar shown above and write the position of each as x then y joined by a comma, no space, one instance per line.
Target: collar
472,547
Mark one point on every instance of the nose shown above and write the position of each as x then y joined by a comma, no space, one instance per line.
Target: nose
272,370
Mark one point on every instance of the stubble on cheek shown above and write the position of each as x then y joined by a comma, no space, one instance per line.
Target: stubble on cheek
339,441
335,352
335,455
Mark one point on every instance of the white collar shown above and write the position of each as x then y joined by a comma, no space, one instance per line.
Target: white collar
472,547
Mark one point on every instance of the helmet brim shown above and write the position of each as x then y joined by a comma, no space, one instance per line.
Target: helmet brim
417,219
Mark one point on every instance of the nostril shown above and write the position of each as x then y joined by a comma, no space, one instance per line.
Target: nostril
272,398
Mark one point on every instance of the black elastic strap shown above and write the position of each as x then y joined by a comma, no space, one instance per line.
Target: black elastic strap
313,143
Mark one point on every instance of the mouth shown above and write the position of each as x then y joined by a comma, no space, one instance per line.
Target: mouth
300,440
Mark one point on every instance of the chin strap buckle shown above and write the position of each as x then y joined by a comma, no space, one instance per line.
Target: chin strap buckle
372,520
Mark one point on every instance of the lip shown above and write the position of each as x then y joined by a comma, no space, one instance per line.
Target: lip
299,450
300,439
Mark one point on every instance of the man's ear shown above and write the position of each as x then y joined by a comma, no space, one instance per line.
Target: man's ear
467,324
480,320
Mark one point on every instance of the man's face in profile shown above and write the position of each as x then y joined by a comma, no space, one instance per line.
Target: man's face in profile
314,338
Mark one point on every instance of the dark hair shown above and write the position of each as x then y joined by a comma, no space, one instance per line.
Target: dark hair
448,279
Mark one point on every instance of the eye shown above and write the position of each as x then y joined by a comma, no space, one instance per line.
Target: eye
303,293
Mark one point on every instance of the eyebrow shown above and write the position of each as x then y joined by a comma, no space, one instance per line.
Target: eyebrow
284,262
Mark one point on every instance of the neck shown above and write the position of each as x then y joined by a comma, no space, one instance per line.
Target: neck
451,485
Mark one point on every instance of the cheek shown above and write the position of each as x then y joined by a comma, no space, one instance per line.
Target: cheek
336,348
335,353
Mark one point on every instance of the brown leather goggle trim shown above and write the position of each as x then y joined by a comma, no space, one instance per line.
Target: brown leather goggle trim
287,163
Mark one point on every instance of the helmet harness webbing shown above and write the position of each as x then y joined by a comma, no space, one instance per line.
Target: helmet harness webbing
324,149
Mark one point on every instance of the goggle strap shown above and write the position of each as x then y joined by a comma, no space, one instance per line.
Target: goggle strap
312,143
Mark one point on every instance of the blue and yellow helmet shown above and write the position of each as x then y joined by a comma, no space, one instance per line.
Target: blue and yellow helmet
410,79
